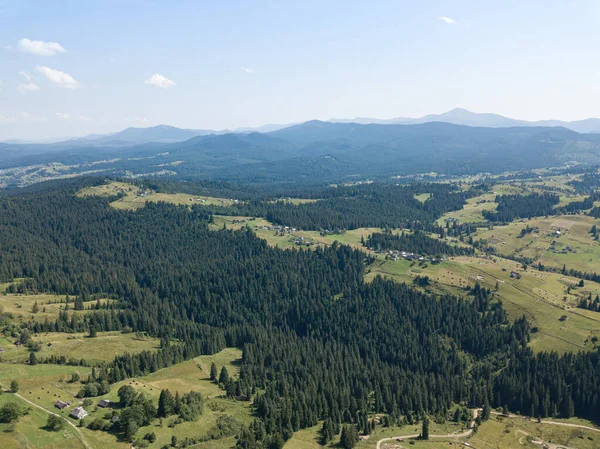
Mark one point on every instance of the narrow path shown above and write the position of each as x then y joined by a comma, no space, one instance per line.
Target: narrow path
543,421
80,435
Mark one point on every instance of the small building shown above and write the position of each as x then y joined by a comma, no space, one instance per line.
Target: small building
79,413
61,404
514,274
105,403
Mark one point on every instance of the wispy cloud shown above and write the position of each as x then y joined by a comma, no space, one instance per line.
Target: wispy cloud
61,79
247,69
33,118
28,86
6,47
6,119
448,20
40,48
63,115
158,80
84,118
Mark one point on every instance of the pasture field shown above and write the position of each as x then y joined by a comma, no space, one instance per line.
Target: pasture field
575,247
21,306
102,348
541,296
36,376
191,375
309,438
45,384
29,430
112,188
519,433
134,197
422,197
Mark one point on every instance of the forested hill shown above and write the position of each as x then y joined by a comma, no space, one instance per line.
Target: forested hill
317,152
317,339
418,243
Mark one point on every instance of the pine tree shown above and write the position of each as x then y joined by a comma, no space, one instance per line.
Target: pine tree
213,372
349,437
32,358
35,308
224,376
425,429
166,404
486,409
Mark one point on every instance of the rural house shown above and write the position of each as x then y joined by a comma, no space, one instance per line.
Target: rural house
104,403
61,404
79,413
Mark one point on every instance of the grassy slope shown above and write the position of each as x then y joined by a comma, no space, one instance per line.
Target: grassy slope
29,430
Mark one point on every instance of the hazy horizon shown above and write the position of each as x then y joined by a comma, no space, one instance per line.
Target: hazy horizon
70,69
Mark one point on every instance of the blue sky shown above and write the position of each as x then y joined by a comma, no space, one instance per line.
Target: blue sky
70,68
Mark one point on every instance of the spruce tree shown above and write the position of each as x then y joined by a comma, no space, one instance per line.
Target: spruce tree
213,372
425,429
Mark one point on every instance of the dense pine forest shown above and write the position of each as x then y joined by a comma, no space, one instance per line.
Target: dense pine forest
317,341
511,207
418,243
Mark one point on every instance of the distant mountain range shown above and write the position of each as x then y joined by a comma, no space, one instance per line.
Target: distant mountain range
312,152
171,134
159,133
460,116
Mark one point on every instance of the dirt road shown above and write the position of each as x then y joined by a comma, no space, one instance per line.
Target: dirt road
79,434
464,434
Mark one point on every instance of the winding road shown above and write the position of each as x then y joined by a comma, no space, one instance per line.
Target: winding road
464,434
471,428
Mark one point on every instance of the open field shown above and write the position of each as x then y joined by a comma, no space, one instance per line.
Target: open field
29,430
133,197
21,306
541,296
30,377
519,433
471,212
44,384
309,438
573,247
102,348
112,188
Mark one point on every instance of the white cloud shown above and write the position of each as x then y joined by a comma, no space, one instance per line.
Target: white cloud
40,48
6,119
61,79
138,120
157,80
29,86
63,115
448,20
84,118
33,118
247,69
6,47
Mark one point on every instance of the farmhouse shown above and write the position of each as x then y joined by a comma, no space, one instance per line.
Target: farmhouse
79,413
104,403
61,404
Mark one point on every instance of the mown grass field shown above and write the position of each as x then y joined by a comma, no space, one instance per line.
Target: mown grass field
102,348
29,431
45,384
574,247
192,375
21,306
134,197
518,433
